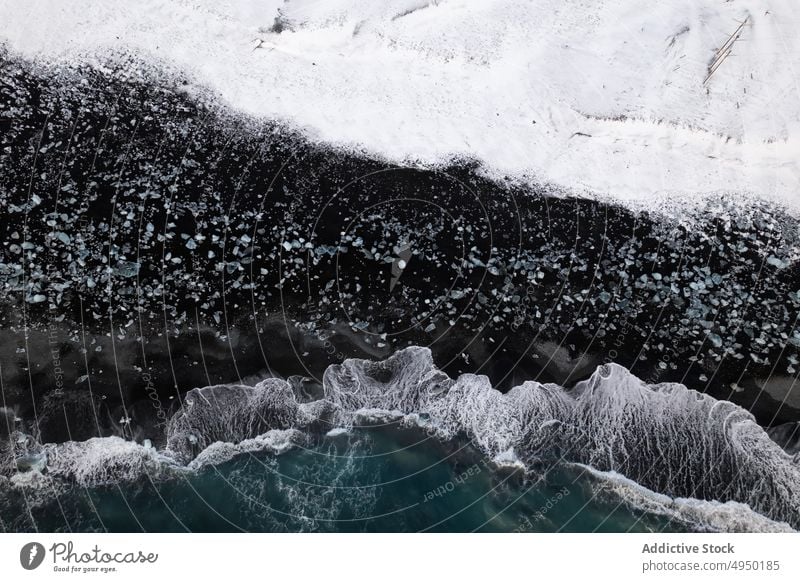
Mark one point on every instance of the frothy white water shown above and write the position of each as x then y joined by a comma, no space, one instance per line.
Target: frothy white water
673,441
230,414
666,437
710,516
601,98
273,441
104,461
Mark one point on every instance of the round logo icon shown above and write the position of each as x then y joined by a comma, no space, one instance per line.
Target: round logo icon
31,555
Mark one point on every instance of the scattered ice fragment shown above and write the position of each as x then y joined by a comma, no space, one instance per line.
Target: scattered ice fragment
777,263
127,269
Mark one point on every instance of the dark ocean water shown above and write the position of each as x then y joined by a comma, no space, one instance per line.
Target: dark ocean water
382,479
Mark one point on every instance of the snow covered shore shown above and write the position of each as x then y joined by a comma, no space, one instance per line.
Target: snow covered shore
605,98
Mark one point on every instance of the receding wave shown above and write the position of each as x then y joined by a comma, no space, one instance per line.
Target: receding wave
674,450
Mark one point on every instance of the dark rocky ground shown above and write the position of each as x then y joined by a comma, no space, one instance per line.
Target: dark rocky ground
153,243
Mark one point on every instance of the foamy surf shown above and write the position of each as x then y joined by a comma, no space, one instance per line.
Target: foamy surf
699,514
663,449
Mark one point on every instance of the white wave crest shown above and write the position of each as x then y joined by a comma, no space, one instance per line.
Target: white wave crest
711,516
230,413
666,437
103,461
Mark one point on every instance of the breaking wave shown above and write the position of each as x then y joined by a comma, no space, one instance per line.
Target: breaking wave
674,451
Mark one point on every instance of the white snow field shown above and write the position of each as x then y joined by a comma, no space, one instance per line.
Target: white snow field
603,98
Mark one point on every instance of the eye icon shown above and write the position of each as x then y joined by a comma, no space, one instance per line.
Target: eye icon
31,555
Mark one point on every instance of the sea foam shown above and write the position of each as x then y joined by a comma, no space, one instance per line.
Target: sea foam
671,440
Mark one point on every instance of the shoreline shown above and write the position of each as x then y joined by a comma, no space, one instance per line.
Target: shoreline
156,245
